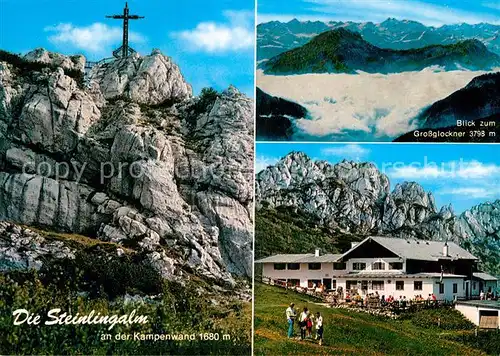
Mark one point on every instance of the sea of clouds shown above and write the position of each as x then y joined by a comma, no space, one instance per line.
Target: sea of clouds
363,107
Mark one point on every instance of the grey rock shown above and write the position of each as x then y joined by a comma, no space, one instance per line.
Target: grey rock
22,248
43,56
55,117
146,167
151,80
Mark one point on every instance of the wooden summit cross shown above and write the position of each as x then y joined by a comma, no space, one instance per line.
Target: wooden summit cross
124,50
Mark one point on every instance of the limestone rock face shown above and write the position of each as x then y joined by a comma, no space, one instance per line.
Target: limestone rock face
151,80
347,195
479,227
43,56
132,159
22,248
356,198
41,201
56,116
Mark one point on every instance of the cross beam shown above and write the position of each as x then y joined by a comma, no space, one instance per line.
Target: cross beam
124,49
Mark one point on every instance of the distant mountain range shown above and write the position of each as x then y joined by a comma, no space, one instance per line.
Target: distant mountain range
345,51
276,37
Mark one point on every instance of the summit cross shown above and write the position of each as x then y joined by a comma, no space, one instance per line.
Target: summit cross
124,50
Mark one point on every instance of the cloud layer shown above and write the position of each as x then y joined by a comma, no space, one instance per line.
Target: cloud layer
236,34
346,107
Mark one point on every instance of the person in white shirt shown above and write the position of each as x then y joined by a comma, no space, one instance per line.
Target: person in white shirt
319,328
303,323
290,317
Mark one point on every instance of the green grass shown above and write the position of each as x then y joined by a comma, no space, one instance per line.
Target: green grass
76,240
350,333
178,309
283,230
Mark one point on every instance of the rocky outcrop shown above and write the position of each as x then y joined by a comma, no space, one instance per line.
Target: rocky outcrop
131,159
151,80
22,248
348,196
482,220
479,230
355,198
478,99
275,115
470,114
64,62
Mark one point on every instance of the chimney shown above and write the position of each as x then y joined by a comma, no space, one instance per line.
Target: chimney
316,252
445,249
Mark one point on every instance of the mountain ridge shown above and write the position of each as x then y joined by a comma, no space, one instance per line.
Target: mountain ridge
345,51
276,37
355,199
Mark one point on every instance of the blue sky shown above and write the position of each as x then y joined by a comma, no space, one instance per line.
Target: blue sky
212,41
461,175
429,12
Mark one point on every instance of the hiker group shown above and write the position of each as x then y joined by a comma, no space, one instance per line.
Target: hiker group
306,320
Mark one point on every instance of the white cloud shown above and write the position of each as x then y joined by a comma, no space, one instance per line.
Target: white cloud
472,192
262,162
445,170
234,35
492,5
365,10
355,152
97,38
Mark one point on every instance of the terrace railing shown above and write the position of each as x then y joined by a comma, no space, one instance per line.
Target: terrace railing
336,299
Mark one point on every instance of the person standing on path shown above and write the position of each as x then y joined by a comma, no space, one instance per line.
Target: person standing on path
319,328
303,323
290,317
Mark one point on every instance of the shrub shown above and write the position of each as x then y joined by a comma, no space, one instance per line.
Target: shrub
180,310
202,104
486,340
102,274
446,318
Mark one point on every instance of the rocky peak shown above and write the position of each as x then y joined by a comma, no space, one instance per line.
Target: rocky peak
354,196
481,220
414,193
152,80
41,55
486,80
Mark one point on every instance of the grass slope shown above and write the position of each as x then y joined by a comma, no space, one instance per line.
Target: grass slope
282,230
100,280
352,333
